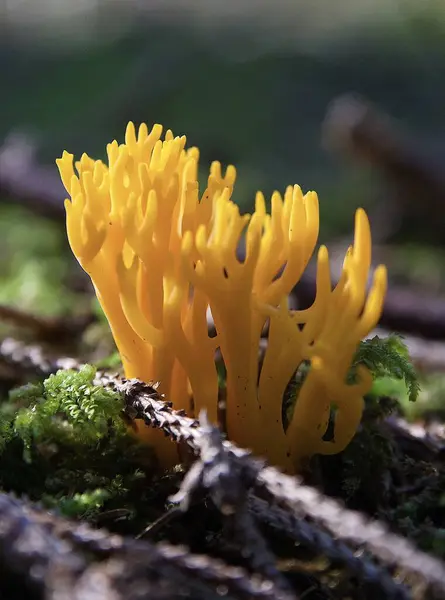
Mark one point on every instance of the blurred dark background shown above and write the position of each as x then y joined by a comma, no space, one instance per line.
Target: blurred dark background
343,97
248,82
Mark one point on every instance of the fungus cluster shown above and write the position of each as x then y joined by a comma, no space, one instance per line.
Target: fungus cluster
161,256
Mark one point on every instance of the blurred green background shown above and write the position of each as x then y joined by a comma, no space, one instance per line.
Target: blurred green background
249,83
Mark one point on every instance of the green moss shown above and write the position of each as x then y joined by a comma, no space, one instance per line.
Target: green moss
388,358
64,443
67,409
88,504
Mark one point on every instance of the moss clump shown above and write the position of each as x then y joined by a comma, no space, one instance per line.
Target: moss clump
388,358
63,442
68,408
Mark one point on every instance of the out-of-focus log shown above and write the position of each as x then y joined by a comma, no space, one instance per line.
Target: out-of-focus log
26,183
414,201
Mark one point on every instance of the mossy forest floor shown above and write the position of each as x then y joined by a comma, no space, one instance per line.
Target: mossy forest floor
65,445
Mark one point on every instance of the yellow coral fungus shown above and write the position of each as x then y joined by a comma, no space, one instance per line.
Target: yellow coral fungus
160,257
